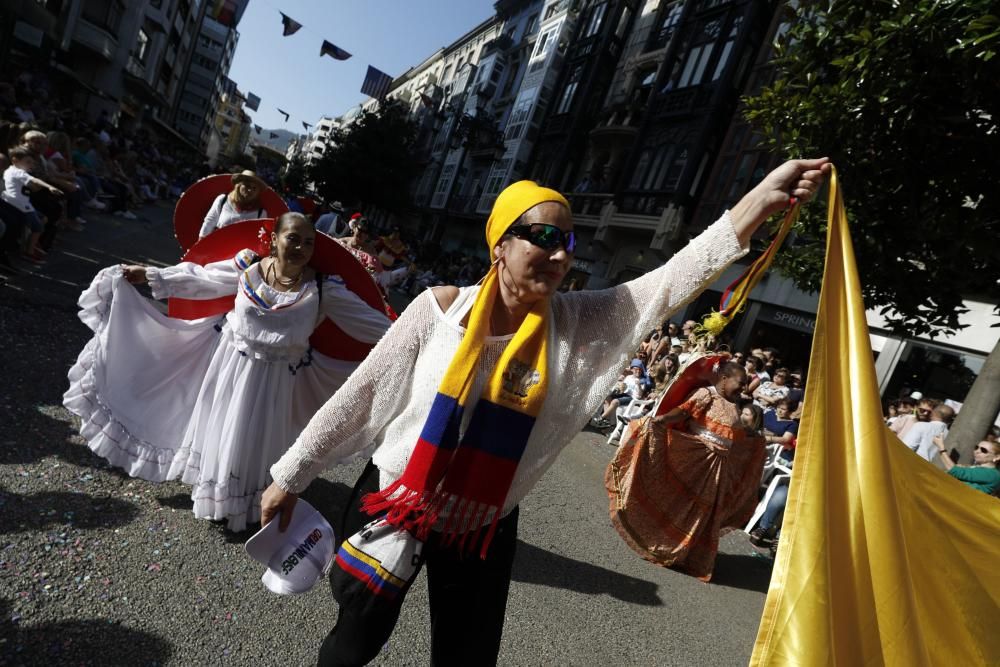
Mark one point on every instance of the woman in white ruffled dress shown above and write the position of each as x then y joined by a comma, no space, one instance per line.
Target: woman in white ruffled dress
214,401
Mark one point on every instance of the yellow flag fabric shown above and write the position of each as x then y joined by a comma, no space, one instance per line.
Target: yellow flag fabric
883,559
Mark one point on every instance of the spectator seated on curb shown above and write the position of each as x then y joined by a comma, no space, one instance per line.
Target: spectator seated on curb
768,394
982,475
753,366
18,183
781,429
631,387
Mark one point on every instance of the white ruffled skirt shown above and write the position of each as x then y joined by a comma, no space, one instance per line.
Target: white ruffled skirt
166,399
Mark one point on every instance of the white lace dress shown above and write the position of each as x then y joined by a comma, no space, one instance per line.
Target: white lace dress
214,401
593,334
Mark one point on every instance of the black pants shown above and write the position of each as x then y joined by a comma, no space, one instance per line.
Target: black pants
468,598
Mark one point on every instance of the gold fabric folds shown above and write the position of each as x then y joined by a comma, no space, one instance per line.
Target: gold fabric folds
883,558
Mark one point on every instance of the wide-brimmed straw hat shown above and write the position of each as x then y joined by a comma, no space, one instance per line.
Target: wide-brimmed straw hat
247,175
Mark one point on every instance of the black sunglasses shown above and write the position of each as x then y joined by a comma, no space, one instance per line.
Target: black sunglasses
547,237
983,450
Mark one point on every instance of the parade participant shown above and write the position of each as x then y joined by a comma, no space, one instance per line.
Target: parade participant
488,384
391,249
702,479
241,203
213,401
358,243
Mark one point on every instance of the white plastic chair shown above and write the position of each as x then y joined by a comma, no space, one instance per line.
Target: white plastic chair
624,416
774,464
778,480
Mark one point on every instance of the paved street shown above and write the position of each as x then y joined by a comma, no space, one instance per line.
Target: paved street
97,568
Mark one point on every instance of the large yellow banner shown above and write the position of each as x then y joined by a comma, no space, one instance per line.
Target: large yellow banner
883,559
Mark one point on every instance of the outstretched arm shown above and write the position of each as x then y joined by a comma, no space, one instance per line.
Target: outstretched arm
797,178
350,313
606,325
192,281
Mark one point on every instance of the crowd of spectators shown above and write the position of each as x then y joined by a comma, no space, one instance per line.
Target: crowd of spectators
771,404
59,165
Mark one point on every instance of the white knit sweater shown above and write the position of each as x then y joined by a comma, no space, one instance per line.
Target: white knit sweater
382,406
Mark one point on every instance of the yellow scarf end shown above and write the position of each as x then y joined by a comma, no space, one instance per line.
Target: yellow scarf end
713,324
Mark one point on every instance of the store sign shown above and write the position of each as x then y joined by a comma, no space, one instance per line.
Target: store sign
791,319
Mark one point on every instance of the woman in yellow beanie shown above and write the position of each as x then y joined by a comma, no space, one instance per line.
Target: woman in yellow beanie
472,394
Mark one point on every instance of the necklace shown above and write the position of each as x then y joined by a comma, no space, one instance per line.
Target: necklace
281,280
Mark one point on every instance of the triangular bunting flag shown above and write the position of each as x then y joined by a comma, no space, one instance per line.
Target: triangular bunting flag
283,113
883,559
333,51
306,125
273,135
289,25
376,83
257,128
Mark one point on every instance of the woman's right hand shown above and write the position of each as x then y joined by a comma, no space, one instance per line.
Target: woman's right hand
277,501
134,273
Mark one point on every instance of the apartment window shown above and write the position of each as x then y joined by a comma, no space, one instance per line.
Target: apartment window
447,172
623,22
518,119
531,26
596,18
693,70
566,99
668,26
105,14
142,46
551,10
512,74
727,48
542,48
640,168
497,177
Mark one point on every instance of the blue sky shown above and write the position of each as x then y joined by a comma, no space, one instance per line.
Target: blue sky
287,72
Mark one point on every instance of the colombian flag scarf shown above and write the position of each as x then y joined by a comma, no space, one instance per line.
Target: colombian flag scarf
469,478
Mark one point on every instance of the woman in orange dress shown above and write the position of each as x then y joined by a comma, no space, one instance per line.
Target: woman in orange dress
686,475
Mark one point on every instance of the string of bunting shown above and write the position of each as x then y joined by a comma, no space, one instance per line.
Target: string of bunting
376,83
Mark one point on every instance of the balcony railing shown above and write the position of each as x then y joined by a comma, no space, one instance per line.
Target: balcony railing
684,101
586,204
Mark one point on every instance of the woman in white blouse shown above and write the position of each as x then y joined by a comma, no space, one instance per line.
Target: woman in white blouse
241,203
590,335
213,401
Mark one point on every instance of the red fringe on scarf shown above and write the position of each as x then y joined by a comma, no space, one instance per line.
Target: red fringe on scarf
418,513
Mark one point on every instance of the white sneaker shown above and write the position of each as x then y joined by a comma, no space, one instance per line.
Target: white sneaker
96,205
129,215
80,221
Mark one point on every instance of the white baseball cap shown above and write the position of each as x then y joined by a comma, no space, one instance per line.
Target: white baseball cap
297,558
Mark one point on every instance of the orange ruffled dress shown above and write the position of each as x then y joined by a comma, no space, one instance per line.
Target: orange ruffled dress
673,490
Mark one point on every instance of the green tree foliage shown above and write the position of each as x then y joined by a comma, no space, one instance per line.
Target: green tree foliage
371,162
904,95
